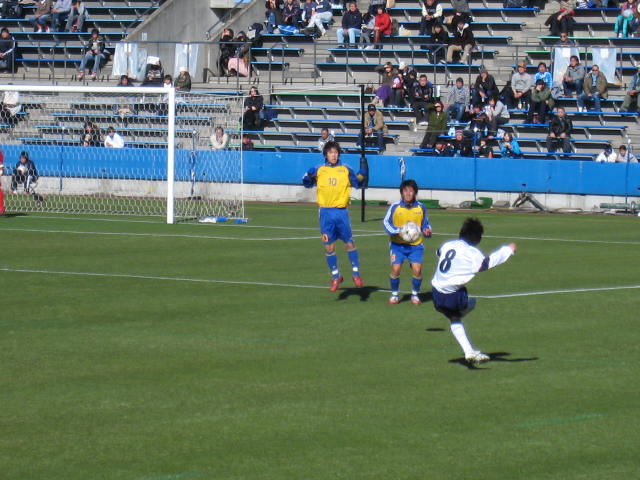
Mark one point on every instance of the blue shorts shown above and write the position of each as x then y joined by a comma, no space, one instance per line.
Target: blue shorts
450,304
399,252
335,225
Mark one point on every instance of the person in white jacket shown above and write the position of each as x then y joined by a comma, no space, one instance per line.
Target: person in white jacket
607,155
113,139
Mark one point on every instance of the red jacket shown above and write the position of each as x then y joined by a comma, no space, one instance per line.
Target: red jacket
383,22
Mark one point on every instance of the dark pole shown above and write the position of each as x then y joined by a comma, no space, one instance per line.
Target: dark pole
364,165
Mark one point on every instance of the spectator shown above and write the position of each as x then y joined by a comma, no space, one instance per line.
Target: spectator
421,97
238,64
373,6
325,137
10,107
484,149
24,173
458,100
7,51
594,88
374,126
562,20
460,145
252,106
219,140
497,115
484,87
396,97
560,128
463,40
442,149
307,9
573,77
227,49
60,13
461,12
623,23
126,106
439,44
366,30
322,13
40,16
541,103
478,127
509,147
274,14
543,74
607,155
382,26
183,82
383,92
94,52
431,16
625,156
11,9
77,16
521,84
437,125
351,23
564,41
247,143
291,13
631,96
124,81
90,136
113,139
154,72
410,81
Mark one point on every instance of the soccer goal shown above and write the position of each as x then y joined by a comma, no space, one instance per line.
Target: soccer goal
122,151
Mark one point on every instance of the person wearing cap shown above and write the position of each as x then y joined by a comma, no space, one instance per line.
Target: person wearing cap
521,84
607,155
351,23
183,81
573,77
113,139
24,173
463,40
484,87
541,103
560,128
437,125
458,100
431,16
421,96
460,145
633,89
625,156
442,149
594,88
374,126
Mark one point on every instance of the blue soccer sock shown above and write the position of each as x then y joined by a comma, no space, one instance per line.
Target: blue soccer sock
416,283
355,262
394,282
332,261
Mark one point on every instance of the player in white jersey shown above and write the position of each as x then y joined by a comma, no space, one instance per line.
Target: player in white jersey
458,262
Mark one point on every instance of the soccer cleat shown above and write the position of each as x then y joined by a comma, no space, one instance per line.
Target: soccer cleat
357,281
335,283
393,300
415,299
476,357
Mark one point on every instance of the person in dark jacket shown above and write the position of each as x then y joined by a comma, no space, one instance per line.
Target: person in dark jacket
94,52
273,14
421,97
484,87
351,23
227,48
7,50
291,13
460,145
437,125
24,173
90,137
252,106
560,128
463,40
439,42
442,149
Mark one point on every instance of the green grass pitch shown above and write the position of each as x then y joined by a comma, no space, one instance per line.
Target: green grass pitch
135,350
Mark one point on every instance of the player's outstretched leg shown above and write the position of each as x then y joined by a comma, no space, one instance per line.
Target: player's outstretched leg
394,283
352,252
472,356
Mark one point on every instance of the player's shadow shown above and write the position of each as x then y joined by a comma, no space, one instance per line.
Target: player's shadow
425,297
11,215
364,293
495,357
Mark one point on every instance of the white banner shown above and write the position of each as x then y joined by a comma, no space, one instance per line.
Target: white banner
605,58
186,56
129,60
561,57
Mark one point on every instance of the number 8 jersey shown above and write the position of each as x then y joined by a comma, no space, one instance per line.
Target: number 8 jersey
458,263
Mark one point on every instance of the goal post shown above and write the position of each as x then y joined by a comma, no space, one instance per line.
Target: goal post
165,166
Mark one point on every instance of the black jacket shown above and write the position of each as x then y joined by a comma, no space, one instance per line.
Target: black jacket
559,125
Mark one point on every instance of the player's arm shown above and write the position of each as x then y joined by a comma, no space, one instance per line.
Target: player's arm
426,226
310,177
356,179
387,222
498,257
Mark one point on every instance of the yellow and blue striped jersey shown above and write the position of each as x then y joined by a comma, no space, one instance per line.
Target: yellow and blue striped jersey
400,213
334,184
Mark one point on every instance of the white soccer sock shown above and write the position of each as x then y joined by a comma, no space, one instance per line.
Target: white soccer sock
457,329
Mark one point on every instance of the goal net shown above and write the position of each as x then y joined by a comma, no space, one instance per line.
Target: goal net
121,150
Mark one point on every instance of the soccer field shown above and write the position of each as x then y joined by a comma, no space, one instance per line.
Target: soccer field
135,350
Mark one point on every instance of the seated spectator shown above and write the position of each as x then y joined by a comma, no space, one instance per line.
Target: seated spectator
322,13
124,81
607,155
410,81
383,92
431,16
564,41
10,107
460,145
624,20
463,40
541,103
521,85
247,143
631,97
497,115
366,30
458,100
325,137
252,106
461,12
60,12
396,97
125,106
421,97
154,73
442,149
374,126
77,16
41,16
219,140
306,11
543,74
439,44
373,6
562,20
573,77
273,14
594,88
625,156
560,128
113,139
509,147
7,51
238,64
11,9
227,49
90,137
183,82
437,125
484,87
478,126
351,23
24,173
94,52
382,26
291,13
484,149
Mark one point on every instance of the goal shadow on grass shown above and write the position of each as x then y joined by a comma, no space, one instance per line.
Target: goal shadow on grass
495,357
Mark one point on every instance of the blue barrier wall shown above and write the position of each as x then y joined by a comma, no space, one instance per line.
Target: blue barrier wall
484,174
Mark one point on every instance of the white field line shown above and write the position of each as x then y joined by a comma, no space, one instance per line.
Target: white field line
290,285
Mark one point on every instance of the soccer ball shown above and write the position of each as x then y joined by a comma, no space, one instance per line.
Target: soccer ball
22,169
410,232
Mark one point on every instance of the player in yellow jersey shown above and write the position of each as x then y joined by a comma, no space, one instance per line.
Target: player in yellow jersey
408,209
334,181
